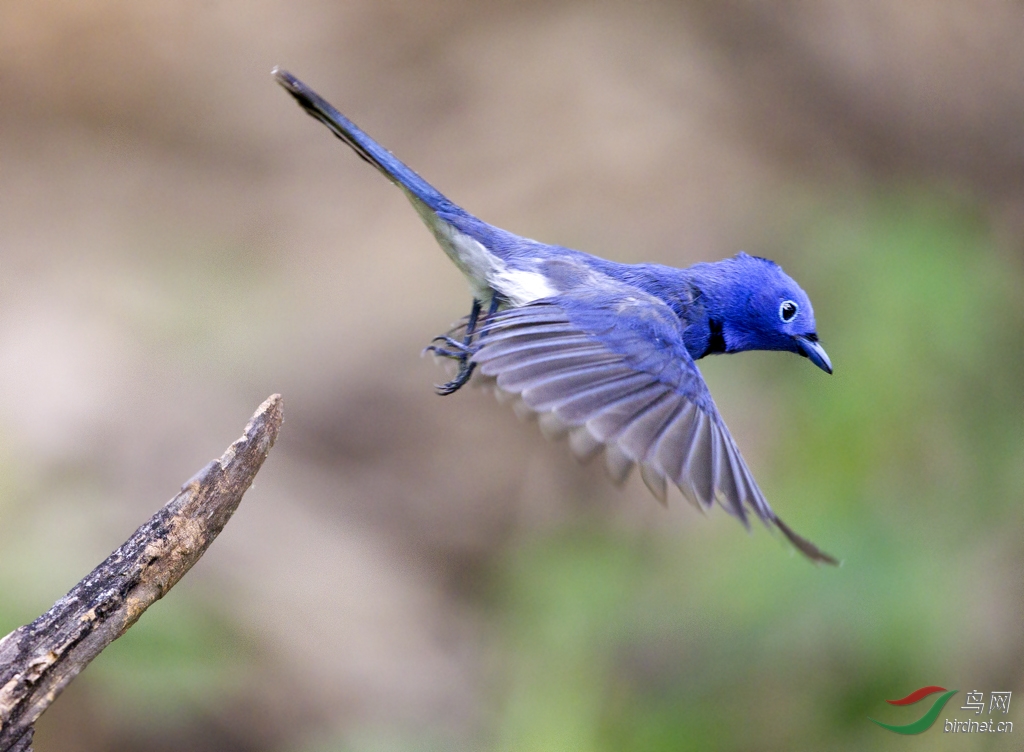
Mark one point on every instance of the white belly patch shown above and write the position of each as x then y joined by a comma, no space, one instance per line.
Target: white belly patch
484,271
520,287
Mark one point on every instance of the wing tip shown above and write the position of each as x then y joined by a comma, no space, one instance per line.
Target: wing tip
656,483
617,464
804,546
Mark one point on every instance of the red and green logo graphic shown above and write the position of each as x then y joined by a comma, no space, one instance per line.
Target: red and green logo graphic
924,722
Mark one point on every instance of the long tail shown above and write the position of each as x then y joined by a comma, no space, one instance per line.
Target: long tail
363,145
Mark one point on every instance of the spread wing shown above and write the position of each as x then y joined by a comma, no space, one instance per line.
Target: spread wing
610,367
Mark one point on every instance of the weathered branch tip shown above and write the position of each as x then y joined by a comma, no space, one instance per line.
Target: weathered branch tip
38,660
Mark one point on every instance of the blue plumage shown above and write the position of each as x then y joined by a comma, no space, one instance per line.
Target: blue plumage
605,352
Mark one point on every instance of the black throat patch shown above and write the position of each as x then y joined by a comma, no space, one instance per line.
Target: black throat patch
716,342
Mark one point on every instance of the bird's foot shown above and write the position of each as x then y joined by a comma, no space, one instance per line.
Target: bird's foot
461,346
465,371
456,350
460,351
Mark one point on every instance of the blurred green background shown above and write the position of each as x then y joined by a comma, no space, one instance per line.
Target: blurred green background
178,241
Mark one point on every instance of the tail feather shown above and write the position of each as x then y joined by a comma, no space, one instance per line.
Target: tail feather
392,168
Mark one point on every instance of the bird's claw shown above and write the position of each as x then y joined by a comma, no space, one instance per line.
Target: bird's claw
463,349
462,352
450,387
451,342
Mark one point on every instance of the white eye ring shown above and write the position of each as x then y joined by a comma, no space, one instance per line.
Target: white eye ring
788,310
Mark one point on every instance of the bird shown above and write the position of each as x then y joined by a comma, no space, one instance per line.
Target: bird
605,352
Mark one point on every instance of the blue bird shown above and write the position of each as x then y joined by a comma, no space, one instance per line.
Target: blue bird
605,352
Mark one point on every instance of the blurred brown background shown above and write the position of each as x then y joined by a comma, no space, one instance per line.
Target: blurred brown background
178,241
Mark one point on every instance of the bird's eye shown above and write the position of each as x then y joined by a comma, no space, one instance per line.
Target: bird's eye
788,310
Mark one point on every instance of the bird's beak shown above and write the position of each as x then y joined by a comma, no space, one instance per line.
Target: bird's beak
811,348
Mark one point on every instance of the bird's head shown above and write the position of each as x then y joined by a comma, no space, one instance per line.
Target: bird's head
759,307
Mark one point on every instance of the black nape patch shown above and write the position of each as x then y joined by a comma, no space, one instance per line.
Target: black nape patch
716,342
767,261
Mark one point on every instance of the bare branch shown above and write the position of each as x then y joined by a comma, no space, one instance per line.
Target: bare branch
38,660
